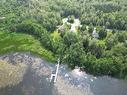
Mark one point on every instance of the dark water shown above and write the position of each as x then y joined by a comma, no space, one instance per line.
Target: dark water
98,85
32,84
109,86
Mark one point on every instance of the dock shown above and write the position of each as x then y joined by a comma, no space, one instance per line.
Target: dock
54,76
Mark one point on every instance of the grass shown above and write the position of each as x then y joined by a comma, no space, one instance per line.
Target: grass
15,42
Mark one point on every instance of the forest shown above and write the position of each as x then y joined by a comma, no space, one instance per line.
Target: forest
35,22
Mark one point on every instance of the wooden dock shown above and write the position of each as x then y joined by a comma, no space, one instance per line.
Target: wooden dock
53,77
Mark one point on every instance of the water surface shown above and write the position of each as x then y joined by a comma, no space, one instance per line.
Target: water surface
73,82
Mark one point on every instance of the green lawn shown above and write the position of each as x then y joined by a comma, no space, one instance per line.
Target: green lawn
13,42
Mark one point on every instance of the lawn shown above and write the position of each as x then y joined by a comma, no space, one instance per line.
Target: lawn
15,42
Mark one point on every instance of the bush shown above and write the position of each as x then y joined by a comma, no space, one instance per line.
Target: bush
30,27
102,33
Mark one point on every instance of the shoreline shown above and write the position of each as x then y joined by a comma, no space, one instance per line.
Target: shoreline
42,68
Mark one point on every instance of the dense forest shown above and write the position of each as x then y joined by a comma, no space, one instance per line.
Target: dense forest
102,55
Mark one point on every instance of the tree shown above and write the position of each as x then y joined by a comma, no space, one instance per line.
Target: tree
110,43
73,55
90,29
119,64
110,40
119,50
83,28
46,40
57,43
70,38
89,61
50,20
96,48
122,36
85,42
30,27
102,33
106,66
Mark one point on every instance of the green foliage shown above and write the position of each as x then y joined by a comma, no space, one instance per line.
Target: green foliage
88,63
57,43
29,27
86,43
107,67
107,7
83,28
121,36
70,38
96,48
73,55
119,49
90,29
110,40
13,42
102,33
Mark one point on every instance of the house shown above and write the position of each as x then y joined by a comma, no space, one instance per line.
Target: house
1,18
73,26
95,34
